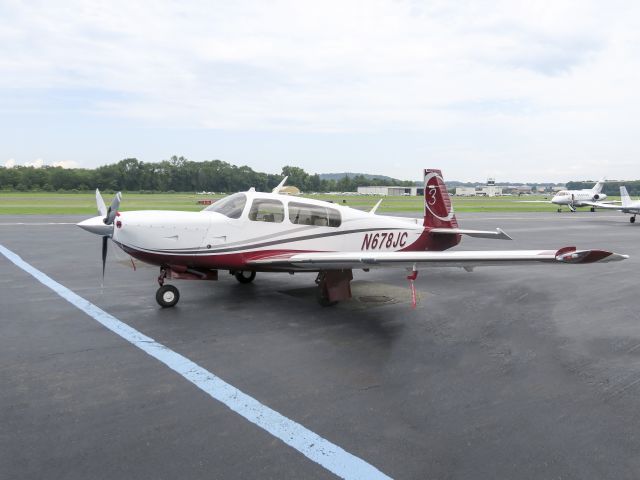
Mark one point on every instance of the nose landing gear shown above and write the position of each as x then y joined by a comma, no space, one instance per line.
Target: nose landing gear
633,219
167,295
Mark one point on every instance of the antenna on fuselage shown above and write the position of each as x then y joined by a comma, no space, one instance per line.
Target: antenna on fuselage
375,207
280,185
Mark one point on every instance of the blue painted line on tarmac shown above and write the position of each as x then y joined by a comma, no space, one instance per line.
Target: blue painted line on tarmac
310,444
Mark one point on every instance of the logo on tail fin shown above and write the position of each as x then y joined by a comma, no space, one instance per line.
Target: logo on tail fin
435,202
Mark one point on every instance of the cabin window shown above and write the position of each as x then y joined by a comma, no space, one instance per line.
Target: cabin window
266,210
231,206
305,214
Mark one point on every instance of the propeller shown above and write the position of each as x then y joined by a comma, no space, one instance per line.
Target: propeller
113,208
109,215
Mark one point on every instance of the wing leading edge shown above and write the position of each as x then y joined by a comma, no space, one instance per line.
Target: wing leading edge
350,260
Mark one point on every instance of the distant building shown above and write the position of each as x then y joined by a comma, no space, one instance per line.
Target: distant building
465,191
488,190
391,191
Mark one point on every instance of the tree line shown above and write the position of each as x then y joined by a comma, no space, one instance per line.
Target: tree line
176,174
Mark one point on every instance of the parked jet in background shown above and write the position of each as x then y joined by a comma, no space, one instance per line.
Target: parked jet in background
252,231
628,205
580,198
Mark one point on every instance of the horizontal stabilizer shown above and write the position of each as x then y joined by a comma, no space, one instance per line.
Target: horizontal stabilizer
497,234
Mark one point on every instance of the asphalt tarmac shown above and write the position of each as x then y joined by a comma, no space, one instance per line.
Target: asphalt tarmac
504,372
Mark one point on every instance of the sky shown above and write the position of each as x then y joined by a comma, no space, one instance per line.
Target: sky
516,90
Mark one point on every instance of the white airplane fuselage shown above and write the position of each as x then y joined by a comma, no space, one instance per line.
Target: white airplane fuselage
576,197
212,240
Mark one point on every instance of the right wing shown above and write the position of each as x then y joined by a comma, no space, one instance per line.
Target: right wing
315,261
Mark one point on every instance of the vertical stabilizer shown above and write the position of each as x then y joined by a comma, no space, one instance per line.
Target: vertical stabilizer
597,188
624,196
438,210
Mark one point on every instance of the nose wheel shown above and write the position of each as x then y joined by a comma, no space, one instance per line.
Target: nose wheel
167,296
633,219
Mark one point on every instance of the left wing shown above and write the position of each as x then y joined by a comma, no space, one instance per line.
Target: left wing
349,260
606,206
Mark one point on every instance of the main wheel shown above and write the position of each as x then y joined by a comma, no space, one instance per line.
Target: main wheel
167,296
632,219
323,299
559,210
245,276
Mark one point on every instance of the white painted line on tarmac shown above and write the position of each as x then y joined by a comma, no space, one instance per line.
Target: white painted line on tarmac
310,444
11,224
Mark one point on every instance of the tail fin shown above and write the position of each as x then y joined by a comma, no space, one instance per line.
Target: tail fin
624,196
597,188
438,210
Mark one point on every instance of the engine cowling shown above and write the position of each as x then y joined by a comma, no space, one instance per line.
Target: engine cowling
596,197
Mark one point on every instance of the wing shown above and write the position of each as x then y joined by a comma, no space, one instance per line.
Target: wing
606,206
467,259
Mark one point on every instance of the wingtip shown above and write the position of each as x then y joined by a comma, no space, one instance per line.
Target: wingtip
589,256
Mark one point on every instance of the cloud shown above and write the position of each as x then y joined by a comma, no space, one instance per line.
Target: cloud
333,66
65,164
495,79
39,163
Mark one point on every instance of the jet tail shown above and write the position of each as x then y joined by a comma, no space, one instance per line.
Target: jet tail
624,197
597,188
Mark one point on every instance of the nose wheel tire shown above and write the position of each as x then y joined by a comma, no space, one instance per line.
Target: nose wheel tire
167,296
632,219
245,276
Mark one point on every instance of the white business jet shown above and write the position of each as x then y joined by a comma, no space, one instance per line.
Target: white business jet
253,231
580,198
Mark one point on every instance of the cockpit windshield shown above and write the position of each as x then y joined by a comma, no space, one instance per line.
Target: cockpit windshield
231,206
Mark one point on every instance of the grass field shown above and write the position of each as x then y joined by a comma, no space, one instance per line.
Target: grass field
84,203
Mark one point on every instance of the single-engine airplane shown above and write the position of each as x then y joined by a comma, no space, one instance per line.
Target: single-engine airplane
628,205
251,232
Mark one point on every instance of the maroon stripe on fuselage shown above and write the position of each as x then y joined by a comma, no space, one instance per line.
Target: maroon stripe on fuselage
230,261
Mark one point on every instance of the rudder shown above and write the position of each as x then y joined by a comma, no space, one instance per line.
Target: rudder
438,209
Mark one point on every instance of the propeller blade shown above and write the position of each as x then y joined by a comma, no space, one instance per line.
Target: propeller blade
113,209
102,209
104,255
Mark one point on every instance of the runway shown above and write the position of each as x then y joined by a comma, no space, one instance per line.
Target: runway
521,372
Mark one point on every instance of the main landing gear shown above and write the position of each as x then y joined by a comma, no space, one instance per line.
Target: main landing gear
593,209
333,286
633,219
245,276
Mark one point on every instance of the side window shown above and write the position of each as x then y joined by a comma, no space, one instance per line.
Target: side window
265,210
304,214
